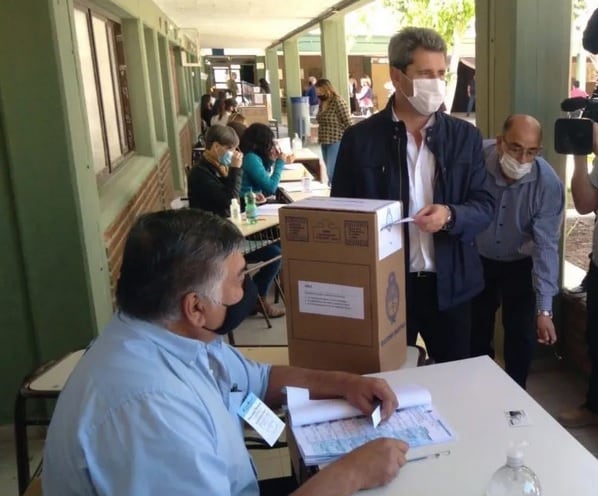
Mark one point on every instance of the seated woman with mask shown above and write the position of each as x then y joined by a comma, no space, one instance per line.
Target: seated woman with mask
216,179
262,162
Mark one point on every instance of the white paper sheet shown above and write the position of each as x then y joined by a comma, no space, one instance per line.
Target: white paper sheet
269,209
335,300
304,411
297,186
293,166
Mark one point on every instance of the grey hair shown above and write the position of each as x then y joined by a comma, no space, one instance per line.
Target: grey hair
407,40
171,253
221,134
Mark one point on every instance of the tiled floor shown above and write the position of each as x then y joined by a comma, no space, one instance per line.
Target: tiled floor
551,383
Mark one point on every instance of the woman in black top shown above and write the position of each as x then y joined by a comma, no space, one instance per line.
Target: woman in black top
216,179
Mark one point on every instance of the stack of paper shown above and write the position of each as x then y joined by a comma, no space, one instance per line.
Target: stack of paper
328,429
297,186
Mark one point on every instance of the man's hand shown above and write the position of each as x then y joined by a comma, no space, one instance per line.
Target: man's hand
545,330
260,198
363,393
432,218
237,160
371,465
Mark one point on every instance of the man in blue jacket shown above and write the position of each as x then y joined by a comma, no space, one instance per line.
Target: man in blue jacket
434,164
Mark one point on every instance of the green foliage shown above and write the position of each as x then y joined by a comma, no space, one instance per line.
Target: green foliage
449,17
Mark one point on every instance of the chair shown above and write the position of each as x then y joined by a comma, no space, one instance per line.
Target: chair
179,202
46,382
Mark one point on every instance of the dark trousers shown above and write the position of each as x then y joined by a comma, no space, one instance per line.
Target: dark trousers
508,284
264,277
447,332
592,335
281,486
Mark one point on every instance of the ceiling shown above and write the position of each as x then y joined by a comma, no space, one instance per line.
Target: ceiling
244,23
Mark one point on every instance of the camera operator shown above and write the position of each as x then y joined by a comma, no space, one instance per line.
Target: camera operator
584,188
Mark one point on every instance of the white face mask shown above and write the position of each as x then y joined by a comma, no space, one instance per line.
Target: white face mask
512,168
428,95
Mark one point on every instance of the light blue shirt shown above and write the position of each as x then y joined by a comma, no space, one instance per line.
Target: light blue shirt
527,222
148,412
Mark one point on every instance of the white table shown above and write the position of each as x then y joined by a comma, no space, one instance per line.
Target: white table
472,395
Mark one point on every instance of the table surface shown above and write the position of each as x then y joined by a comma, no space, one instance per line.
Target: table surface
473,395
304,154
295,174
263,223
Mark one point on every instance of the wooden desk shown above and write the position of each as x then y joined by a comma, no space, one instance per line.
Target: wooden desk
295,174
310,160
262,224
473,395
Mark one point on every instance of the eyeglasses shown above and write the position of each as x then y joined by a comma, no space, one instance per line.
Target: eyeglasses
519,152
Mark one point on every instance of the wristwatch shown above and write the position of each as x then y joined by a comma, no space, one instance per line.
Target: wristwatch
544,313
449,220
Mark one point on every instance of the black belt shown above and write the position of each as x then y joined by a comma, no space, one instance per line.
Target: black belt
422,274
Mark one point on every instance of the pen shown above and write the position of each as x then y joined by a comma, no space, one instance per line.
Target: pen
426,457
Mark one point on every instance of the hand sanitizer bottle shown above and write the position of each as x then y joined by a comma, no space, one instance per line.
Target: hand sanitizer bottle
514,478
296,144
235,211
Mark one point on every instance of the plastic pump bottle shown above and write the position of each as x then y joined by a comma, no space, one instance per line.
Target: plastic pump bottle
250,207
296,144
235,211
514,478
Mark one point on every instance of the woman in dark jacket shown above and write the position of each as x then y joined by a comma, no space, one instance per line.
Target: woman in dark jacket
216,179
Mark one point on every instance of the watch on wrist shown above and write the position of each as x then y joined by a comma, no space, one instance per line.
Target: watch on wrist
449,220
544,313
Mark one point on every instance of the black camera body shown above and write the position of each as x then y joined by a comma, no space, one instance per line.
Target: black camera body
576,135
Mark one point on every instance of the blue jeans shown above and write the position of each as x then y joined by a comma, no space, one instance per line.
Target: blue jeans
264,277
329,154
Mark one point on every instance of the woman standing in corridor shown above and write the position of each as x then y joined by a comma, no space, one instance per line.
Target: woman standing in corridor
333,119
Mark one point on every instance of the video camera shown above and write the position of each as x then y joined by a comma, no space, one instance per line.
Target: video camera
576,135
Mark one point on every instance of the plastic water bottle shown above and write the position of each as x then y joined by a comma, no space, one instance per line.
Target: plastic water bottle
306,182
514,478
250,207
296,144
235,211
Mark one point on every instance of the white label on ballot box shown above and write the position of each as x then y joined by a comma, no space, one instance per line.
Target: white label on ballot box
390,235
265,422
335,300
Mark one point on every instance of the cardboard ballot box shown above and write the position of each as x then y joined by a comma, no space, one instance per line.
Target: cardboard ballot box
344,273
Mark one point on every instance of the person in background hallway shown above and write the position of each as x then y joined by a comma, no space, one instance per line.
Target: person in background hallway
434,164
334,118
231,85
576,91
365,96
225,109
151,408
264,85
216,179
206,111
470,95
352,93
584,188
310,92
520,249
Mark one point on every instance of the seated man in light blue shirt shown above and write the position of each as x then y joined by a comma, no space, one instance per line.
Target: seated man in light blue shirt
151,407
519,250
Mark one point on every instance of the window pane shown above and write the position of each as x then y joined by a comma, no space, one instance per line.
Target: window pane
100,36
89,89
116,89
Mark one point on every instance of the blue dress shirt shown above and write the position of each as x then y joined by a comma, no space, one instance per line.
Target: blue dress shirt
149,412
527,222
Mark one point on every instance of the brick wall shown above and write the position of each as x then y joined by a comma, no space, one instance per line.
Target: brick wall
186,144
155,194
